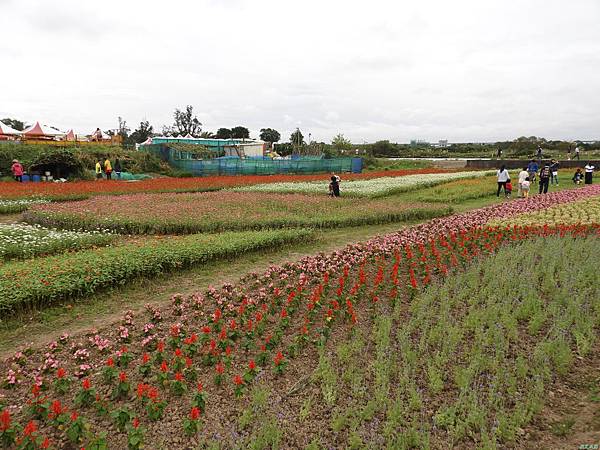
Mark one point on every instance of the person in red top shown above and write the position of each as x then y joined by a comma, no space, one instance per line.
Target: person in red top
17,170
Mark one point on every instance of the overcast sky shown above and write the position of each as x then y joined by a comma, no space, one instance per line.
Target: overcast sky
463,70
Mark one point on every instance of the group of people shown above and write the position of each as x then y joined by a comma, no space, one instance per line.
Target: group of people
548,174
107,169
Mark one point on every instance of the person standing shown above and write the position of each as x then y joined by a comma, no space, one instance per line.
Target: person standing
544,178
98,170
503,178
589,173
569,153
118,168
107,168
334,187
540,153
554,165
525,187
17,170
523,175
577,152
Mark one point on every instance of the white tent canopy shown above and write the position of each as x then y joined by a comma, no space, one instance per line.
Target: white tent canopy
41,130
6,130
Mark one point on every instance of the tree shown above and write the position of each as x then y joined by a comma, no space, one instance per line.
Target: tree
207,135
123,129
14,123
384,148
223,133
142,133
297,138
269,135
341,143
240,133
186,122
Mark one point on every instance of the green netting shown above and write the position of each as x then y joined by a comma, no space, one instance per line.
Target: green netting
236,166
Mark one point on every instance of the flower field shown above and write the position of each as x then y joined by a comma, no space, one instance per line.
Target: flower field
79,189
40,282
459,191
25,241
581,212
377,187
427,337
218,211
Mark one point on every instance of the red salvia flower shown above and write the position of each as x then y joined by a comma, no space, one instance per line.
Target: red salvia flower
45,443
238,380
56,408
74,416
163,367
160,346
86,384
179,376
228,351
200,387
110,362
122,377
30,428
60,373
146,358
283,314
206,330
188,362
220,368
278,358
4,420
252,365
136,422
195,413
178,352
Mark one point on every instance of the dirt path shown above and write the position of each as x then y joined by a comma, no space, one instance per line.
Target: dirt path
571,417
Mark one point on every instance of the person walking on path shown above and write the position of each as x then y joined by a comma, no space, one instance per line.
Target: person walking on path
523,174
554,165
589,173
532,168
107,168
577,152
98,170
503,178
118,168
545,178
334,187
17,170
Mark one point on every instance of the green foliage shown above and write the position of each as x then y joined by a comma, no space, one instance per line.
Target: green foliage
44,281
339,142
240,132
269,135
142,133
223,133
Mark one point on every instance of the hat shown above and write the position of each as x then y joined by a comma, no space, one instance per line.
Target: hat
15,160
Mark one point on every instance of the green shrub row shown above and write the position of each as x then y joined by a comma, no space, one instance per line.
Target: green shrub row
41,282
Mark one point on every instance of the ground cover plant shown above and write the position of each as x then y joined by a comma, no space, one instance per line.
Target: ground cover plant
42,281
20,241
77,189
377,187
224,365
218,211
585,211
459,191
17,206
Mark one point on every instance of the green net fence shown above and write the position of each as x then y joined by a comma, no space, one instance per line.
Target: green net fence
236,166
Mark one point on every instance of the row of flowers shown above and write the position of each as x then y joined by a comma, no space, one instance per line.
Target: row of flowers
378,187
218,211
225,339
88,188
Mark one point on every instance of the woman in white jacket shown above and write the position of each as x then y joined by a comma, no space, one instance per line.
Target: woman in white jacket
503,178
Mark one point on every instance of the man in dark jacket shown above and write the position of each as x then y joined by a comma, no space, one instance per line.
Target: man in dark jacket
544,178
